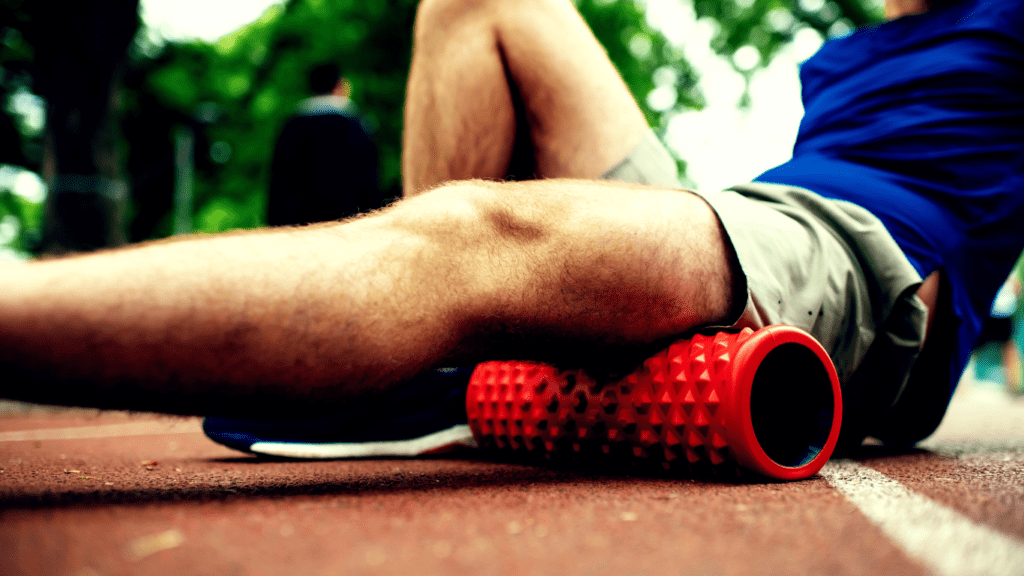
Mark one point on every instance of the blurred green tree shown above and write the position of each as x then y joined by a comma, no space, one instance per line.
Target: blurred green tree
233,96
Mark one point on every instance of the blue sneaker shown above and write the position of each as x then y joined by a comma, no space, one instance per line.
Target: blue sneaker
426,415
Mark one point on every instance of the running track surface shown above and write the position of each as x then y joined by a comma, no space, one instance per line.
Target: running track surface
85,494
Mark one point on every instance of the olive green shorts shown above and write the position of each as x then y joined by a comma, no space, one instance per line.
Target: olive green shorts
826,266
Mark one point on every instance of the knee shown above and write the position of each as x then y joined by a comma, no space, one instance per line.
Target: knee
477,213
443,15
439,16
446,209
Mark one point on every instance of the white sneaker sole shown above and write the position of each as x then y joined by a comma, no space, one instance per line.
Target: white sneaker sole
458,436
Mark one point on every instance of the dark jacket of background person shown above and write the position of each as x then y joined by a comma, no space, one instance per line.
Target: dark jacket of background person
324,166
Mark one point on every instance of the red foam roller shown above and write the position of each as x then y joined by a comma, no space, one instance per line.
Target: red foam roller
766,402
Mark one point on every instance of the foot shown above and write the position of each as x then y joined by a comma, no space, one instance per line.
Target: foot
426,415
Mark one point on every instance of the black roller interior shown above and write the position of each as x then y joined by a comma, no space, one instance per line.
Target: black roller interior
791,405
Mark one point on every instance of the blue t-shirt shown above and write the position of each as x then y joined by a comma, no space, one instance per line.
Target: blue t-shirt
921,121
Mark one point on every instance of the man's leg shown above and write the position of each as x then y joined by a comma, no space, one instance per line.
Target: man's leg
301,319
472,59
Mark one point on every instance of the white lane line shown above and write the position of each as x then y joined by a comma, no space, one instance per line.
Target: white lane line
942,539
103,431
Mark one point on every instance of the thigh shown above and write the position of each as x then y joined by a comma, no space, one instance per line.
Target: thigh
582,117
542,268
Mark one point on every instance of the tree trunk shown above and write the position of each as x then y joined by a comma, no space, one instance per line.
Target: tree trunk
81,56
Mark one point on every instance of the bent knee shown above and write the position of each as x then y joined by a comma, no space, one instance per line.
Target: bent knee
481,211
441,15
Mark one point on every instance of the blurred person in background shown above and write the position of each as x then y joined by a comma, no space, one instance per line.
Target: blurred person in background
325,162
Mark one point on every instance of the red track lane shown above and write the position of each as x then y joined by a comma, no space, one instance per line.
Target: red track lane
153,496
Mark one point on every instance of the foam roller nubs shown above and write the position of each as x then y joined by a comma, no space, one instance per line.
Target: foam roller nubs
765,402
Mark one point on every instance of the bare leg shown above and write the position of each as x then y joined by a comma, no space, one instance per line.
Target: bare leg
468,58
301,319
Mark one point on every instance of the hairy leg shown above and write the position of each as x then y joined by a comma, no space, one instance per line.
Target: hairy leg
474,59
301,319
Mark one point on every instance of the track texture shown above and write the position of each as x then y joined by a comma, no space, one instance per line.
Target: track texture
112,494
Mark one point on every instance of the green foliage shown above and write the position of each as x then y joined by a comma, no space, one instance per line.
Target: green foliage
19,145
637,50
20,221
769,24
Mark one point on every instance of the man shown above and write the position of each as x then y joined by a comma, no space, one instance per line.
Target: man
325,163
568,269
